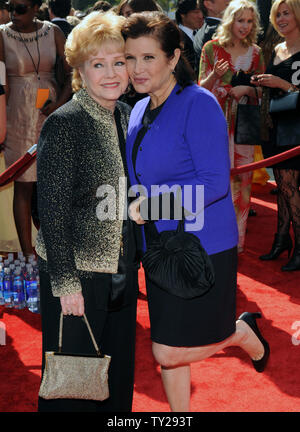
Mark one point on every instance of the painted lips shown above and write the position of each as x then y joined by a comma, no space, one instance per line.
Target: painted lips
140,80
111,85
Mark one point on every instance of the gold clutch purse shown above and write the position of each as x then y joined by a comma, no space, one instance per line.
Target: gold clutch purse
75,376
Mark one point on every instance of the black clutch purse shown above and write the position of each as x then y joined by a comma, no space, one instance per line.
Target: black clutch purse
286,112
248,124
241,78
177,262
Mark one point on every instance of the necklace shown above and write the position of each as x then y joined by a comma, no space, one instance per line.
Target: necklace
36,68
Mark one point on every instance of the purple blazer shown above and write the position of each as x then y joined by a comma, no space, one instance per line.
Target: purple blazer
186,147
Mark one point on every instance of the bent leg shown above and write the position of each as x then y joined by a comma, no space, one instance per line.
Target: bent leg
175,362
177,385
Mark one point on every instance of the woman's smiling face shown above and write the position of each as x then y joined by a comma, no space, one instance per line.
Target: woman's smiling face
285,19
104,75
243,24
149,69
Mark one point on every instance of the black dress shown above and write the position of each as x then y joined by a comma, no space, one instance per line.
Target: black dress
285,71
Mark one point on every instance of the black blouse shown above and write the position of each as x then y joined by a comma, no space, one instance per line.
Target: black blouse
284,70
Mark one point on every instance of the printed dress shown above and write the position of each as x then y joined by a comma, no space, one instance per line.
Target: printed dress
251,63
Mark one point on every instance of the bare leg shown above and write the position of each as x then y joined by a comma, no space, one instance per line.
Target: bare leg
177,384
22,214
175,362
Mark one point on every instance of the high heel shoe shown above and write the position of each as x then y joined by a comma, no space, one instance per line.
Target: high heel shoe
294,262
250,319
281,243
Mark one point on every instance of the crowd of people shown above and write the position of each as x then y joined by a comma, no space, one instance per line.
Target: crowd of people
129,93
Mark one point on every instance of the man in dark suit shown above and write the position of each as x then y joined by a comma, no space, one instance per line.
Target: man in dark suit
213,11
58,12
189,18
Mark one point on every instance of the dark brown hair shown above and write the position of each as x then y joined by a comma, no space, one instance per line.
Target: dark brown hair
144,5
166,33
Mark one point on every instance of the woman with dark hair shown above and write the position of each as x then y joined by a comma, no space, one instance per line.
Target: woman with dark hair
129,7
29,48
123,9
144,5
177,140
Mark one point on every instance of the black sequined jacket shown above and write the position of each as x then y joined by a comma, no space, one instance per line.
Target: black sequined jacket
80,170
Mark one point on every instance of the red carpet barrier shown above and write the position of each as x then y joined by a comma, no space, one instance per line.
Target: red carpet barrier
22,164
19,167
266,162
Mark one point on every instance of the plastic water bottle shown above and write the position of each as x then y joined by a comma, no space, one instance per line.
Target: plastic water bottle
20,255
26,271
2,302
18,289
7,288
30,258
32,291
10,257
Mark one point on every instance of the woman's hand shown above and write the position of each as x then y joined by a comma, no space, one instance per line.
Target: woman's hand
268,80
220,68
239,91
72,304
134,211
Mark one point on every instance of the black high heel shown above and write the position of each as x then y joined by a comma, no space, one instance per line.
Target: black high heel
281,243
294,263
250,319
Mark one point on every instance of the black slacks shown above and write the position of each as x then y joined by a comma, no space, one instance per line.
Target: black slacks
114,332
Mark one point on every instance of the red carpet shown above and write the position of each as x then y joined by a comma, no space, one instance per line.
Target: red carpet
226,382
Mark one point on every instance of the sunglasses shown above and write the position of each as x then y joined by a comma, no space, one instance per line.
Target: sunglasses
20,9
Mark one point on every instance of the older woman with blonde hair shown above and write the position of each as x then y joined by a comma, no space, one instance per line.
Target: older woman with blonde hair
226,65
87,253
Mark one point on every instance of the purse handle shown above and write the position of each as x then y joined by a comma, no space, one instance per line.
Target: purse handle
89,329
151,227
256,94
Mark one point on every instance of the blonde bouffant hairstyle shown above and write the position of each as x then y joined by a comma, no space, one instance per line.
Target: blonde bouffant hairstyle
233,11
294,5
88,36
